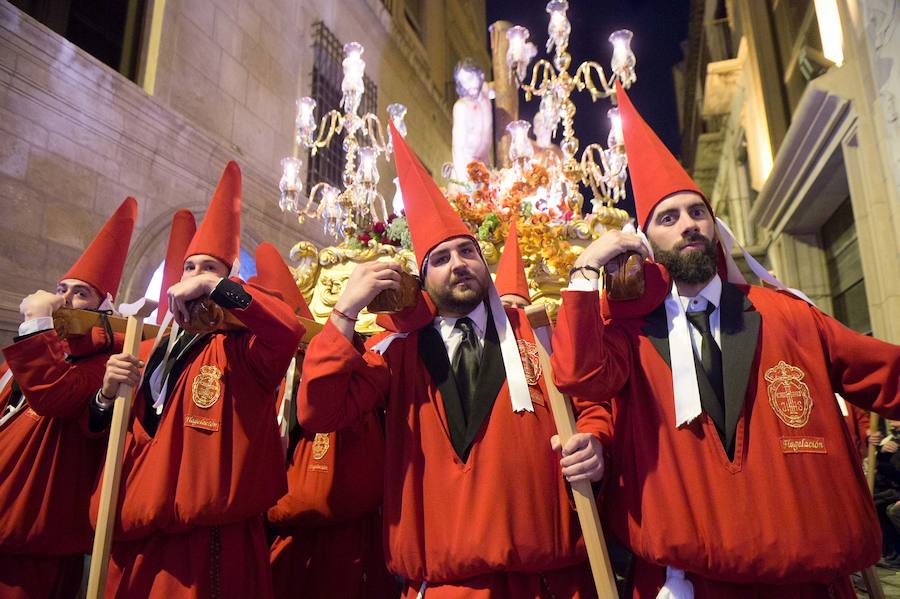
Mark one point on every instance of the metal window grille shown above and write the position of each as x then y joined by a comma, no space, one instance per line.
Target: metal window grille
328,163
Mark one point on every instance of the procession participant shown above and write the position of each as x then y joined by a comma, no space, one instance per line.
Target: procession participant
730,470
328,526
48,463
475,502
511,283
202,458
180,234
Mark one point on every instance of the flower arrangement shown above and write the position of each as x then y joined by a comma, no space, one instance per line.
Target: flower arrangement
393,231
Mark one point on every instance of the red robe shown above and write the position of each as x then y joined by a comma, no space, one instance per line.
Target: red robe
501,520
193,495
48,464
792,507
328,525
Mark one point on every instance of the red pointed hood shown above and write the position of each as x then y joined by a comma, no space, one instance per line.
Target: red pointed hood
655,173
511,270
431,218
103,261
273,273
219,234
183,228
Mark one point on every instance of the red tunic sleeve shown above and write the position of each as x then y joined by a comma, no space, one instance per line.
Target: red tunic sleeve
54,386
339,384
276,333
864,370
591,360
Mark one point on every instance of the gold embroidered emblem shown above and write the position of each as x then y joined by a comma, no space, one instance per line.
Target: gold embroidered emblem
531,362
789,395
320,446
205,388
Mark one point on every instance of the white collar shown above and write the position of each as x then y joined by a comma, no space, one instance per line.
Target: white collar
712,293
447,324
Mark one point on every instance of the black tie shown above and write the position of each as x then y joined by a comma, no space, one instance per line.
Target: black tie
710,354
466,363
184,339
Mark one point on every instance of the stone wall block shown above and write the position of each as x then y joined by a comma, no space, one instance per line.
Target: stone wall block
197,47
201,100
23,207
227,33
99,157
200,13
69,223
60,179
13,156
252,135
233,78
248,18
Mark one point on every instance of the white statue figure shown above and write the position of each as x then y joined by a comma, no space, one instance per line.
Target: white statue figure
472,119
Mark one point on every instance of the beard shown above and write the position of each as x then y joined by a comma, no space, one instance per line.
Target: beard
694,266
465,291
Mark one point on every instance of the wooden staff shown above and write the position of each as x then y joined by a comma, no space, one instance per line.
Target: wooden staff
585,504
112,471
870,574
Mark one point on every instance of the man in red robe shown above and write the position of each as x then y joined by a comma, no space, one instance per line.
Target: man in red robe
202,458
328,525
730,472
48,463
475,502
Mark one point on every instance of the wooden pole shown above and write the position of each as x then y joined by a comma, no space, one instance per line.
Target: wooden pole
870,574
585,504
112,471
872,450
506,100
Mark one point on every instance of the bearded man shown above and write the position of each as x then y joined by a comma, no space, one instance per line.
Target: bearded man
475,504
731,472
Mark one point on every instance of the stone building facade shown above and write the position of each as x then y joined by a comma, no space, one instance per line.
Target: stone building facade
789,111
199,82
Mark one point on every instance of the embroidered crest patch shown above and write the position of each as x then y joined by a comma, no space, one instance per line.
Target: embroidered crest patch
788,394
320,446
531,361
205,389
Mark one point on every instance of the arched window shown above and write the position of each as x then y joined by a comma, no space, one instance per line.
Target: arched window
248,269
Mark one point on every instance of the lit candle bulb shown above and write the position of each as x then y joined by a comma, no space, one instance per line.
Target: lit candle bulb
290,184
615,128
367,171
520,51
623,59
306,121
559,27
352,85
397,112
519,144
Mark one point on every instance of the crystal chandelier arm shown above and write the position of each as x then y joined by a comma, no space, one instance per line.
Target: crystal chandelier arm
584,79
592,173
547,76
375,132
332,122
310,210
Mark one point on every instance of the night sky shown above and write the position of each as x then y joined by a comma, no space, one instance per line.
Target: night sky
659,28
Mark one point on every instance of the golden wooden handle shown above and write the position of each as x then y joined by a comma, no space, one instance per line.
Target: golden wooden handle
582,492
112,469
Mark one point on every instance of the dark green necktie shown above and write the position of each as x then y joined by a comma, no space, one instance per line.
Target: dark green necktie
466,363
710,354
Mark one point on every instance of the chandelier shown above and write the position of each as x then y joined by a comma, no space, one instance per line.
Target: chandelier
359,203
540,187
601,169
